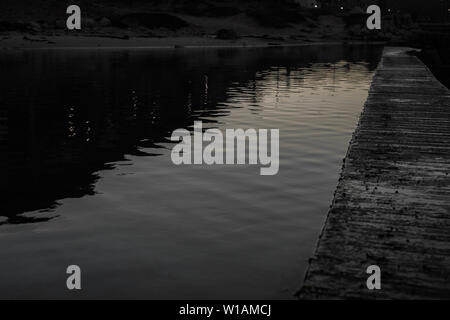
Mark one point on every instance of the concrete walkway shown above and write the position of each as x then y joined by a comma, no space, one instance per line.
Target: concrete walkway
392,204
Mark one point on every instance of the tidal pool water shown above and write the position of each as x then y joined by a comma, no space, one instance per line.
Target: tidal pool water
87,177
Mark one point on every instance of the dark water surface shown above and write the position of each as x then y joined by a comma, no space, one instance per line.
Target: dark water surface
87,177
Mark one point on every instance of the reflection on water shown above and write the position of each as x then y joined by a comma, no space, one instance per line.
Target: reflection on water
84,141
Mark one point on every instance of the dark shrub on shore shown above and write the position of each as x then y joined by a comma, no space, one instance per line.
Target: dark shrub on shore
227,34
276,16
148,20
207,9
14,26
355,19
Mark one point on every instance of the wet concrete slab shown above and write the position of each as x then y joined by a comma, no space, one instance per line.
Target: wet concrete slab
391,207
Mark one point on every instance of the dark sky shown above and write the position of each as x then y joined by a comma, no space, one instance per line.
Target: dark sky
434,8
421,8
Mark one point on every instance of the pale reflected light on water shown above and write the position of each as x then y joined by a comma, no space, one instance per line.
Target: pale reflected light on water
91,182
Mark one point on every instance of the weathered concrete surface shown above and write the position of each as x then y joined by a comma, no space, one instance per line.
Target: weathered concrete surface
392,204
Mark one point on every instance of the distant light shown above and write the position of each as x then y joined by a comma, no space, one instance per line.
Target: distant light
389,10
342,8
315,6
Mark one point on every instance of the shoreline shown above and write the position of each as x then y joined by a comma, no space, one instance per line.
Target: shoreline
26,42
